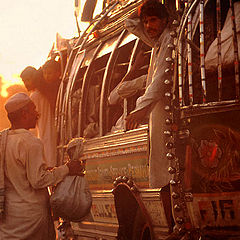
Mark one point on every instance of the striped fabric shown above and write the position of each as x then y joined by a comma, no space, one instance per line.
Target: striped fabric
3,140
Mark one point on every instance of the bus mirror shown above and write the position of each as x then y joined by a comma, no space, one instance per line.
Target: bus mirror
88,10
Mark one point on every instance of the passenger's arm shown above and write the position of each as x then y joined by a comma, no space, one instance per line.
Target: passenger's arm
135,26
114,96
135,118
138,63
155,90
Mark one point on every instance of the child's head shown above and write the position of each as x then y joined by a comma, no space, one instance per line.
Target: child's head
51,71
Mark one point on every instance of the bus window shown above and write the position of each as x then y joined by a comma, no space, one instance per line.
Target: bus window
222,82
91,102
76,96
123,95
212,81
115,110
63,101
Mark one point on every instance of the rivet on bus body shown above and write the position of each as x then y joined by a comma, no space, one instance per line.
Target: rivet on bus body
175,23
171,170
168,95
173,34
177,208
168,70
169,60
130,183
168,82
167,133
172,182
125,179
167,108
179,220
170,46
175,195
168,121
134,189
169,145
170,156
118,179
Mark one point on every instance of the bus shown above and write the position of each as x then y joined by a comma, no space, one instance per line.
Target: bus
202,132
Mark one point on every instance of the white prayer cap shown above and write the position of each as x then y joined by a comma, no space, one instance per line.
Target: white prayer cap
16,102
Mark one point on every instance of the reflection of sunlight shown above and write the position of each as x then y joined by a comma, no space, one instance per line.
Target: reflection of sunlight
14,79
35,37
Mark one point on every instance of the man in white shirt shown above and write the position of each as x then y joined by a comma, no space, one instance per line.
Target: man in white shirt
151,26
27,212
46,131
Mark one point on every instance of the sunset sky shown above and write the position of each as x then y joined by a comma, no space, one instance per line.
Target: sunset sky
28,30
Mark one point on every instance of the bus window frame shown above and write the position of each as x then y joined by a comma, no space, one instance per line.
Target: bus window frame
85,87
105,84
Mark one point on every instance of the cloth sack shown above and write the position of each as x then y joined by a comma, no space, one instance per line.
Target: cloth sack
71,199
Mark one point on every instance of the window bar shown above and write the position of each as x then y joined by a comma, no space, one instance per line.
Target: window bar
189,50
218,6
235,45
177,5
202,53
180,80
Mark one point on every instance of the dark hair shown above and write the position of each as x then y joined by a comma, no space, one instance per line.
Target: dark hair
52,64
50,90
153,8
29,70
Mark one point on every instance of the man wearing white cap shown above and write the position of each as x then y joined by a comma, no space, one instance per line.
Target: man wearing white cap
23,186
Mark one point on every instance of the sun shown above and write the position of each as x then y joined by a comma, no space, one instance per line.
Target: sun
7,82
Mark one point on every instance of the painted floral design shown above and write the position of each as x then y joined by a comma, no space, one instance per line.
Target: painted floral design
209,153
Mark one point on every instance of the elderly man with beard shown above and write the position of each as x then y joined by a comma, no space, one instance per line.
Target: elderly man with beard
24,178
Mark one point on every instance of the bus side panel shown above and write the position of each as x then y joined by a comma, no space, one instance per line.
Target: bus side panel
101,172
212,170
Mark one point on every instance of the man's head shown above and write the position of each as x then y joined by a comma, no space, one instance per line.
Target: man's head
154,17
28,77
21,111
51,71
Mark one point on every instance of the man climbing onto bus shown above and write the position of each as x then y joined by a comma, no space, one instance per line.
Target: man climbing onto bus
43,85
150,24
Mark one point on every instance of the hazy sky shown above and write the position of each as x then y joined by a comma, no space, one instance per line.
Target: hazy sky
28,30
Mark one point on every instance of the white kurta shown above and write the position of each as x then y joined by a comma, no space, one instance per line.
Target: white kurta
46,127
154,99
26,180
